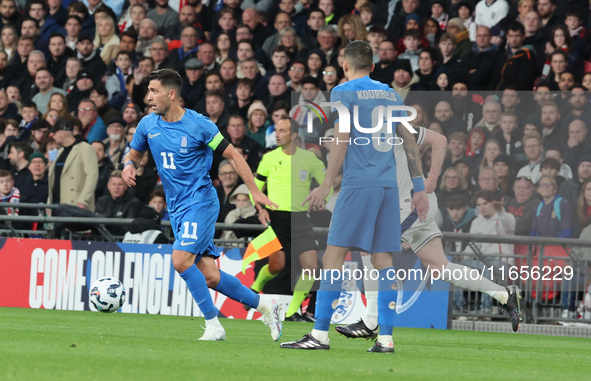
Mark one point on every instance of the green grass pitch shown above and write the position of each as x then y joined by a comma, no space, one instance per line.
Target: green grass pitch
64,345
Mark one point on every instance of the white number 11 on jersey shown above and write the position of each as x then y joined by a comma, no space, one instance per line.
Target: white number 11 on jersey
165,164
193,226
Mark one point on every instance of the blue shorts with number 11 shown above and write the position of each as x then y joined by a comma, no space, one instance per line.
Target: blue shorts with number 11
194,228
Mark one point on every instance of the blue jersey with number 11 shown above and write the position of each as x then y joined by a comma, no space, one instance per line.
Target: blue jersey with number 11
183,152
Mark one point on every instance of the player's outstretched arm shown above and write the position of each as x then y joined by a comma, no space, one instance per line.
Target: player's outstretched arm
438,144
317,198
132,161
244,172
415,166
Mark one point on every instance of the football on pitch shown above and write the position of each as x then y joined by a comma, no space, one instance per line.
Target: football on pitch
107,294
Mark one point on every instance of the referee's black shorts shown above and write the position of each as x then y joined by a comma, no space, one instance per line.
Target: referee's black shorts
294,231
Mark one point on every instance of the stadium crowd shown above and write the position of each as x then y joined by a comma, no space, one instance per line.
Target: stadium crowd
506,81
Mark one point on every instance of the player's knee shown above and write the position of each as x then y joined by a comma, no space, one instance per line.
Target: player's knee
212,279
180,263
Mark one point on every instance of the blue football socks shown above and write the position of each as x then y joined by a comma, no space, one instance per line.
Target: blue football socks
198,287
231,287
387,295
329,291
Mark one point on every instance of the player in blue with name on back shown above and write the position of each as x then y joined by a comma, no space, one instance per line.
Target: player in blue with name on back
367,214
182,143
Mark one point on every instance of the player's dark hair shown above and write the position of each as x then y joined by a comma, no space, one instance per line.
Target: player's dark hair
457,201
359,55
168,78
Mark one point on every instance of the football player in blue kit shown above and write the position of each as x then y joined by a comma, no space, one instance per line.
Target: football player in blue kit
367,213
182,143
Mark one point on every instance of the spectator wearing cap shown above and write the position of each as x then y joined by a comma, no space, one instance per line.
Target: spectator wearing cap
439,12
490,12
105,167
257,122
82,89
44,82
131,114
456,27
517,66
193,83
91,60
74,174
404,77
118,203
532,144
571,189
39,130
34,186
115,143
93,127
100,97
56,62
503,165
19,159
179,57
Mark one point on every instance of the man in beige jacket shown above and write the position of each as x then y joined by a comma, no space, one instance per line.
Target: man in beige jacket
74,174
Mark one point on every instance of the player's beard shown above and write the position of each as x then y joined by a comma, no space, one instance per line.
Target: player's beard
162,112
